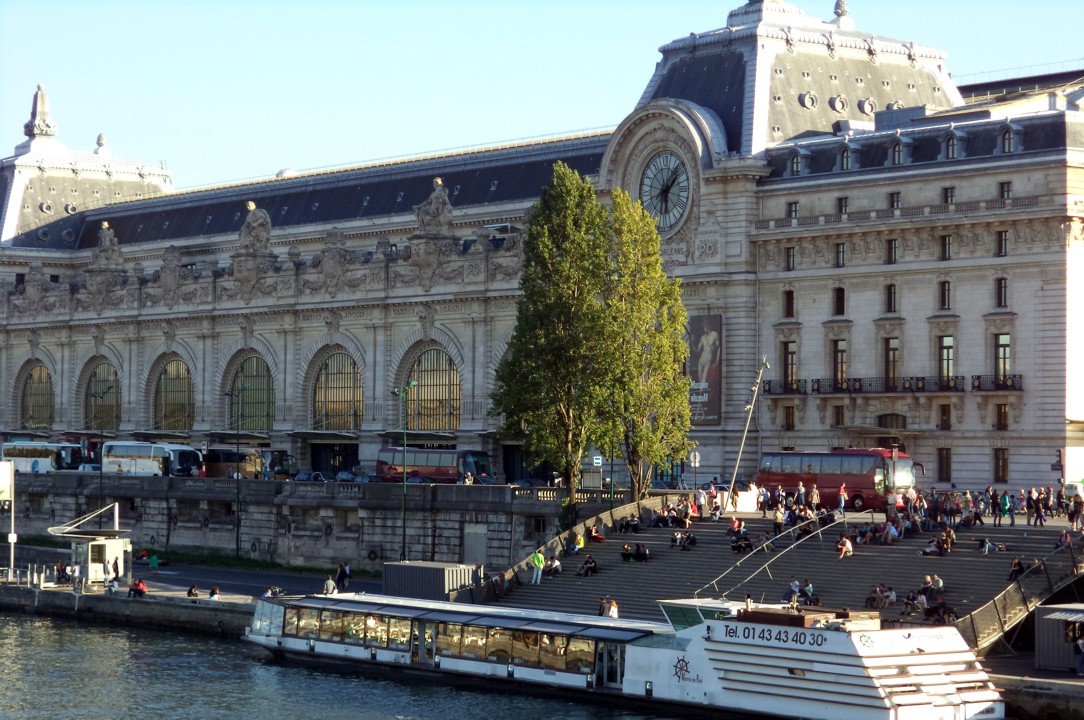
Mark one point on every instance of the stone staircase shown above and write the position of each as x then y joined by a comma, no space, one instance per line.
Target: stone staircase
971,579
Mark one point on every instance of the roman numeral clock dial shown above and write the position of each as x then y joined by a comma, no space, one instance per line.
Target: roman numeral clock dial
664,190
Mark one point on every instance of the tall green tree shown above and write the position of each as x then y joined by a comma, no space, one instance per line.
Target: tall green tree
554,376
649,419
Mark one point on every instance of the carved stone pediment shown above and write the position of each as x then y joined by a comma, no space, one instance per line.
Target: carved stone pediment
336,269
432,259
36,294
249,276
105,288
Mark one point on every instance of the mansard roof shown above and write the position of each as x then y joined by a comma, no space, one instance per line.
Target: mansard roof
1041,132
774,75
488,177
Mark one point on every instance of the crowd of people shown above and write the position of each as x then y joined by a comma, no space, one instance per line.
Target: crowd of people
936,516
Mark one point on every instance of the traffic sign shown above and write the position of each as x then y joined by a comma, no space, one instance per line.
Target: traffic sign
597,460
694,459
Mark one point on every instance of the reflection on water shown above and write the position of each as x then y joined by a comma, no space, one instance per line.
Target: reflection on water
57,669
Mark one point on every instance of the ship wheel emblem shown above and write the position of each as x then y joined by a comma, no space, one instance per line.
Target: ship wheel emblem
681,668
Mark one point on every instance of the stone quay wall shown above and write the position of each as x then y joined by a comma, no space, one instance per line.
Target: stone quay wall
223,619
306,524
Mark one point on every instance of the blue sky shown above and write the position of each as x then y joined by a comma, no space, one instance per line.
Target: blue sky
234,90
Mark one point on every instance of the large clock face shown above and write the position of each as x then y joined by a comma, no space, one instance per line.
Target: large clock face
664,189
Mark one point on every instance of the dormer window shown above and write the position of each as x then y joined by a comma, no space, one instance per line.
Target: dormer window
1010,137
845,159
1008,142
899,152
953,145
798,162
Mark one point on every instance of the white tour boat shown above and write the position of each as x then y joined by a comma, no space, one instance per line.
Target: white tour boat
771,661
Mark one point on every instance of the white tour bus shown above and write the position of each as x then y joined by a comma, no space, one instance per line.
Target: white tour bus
43,457
147,458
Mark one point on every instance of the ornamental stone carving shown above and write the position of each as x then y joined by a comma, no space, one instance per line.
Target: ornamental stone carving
107,254
247,328
427,319
248,276
255,235
172,283
431,259
336,269
435,214
169,333
106,277
332,320
506,261
36,294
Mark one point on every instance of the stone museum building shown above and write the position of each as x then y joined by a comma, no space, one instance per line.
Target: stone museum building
903,253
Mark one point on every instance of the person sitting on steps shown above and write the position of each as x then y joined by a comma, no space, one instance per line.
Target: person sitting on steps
588,568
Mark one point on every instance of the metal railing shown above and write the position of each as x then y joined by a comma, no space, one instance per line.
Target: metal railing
986,625
795,542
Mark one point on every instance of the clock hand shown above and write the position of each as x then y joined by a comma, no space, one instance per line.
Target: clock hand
664,193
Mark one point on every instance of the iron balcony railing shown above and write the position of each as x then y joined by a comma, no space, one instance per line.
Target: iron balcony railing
997,382
909,384
784,387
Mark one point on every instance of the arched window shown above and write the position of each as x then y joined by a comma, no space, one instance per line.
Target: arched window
337,397
845,159
1008,141
897,153
101,401
250,396
36,400
796,164
435,403
174,398
950,147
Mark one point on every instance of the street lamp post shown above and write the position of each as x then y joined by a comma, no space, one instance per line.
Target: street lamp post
235,398
99,396
745,433
401,393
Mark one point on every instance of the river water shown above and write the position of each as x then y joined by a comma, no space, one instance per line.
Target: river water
57,669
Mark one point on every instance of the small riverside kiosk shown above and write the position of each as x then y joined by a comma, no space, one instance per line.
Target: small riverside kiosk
95,549
1057,627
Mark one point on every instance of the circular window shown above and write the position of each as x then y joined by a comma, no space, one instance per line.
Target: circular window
808,100
46,207
838,103
867,106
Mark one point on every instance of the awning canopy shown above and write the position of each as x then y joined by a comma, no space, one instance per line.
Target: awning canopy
36,434
418,436
168,435
325,435
1067,615
92,434
232,436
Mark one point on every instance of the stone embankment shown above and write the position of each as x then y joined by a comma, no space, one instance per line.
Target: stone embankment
160,609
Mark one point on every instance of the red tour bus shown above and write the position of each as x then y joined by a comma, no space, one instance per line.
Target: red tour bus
869,473
433,466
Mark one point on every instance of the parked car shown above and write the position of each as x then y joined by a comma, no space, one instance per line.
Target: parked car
344,476
310,477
